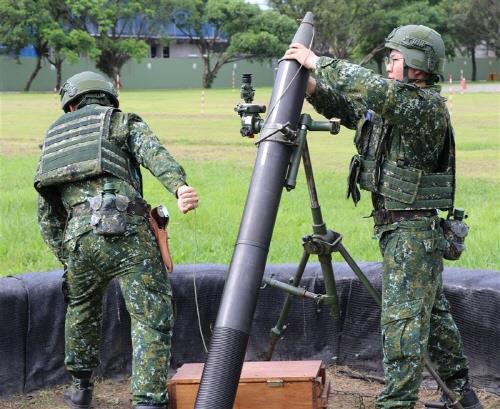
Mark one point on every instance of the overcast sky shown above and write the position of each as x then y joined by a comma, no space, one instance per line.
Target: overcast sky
261,3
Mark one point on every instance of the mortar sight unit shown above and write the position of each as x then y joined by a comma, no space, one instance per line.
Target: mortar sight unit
251,122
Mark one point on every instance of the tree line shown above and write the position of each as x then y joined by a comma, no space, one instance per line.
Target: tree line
112,32
356,29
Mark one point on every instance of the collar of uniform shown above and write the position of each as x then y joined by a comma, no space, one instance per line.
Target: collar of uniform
435,88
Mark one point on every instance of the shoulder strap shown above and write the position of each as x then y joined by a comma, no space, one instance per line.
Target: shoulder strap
447,158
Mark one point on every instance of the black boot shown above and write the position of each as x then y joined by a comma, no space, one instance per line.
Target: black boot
79,395
468,400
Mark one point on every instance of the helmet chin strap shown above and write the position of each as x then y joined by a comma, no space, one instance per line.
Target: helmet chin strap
406,79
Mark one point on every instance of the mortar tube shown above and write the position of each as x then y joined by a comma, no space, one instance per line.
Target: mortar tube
222,370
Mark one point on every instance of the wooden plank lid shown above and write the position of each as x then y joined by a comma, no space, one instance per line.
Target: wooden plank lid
257,371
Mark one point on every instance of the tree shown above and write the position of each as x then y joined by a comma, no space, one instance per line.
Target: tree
356,29
475,22
67,44
389,14
23,22
335,22
43,24
118,27
229,30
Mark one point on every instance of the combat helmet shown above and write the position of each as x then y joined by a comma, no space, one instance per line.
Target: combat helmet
421,46
83,83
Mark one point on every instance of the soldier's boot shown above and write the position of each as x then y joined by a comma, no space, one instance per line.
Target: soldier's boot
468,400
79,394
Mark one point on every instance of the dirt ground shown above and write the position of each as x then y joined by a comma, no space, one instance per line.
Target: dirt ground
349,389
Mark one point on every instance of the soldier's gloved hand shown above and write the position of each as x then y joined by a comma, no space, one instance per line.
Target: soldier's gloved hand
187,198
302,54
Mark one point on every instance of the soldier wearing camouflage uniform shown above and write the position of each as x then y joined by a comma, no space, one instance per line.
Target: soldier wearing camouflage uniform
406,158
93,217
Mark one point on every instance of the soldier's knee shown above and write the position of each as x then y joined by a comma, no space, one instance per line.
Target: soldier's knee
149,301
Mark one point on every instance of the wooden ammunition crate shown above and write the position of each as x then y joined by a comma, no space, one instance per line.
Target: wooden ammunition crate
263,385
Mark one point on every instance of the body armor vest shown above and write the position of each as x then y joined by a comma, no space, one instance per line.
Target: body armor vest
378,169
77,147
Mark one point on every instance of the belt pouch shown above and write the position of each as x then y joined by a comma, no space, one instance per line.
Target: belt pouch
109,214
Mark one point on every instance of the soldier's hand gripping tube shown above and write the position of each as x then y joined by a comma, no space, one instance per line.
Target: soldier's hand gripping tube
226,354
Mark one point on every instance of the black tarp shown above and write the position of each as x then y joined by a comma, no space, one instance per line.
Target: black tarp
32,323
13,327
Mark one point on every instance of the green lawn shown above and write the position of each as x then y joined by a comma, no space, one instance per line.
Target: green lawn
204,137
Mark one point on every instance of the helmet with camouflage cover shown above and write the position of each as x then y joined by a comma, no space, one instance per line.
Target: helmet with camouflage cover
84,83
421,46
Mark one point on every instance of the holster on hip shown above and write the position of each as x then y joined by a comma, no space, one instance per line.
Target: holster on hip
158,220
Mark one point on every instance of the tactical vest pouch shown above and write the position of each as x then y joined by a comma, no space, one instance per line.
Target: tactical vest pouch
434,191
109,214
400,184
364,173
368,175
407,188
454,232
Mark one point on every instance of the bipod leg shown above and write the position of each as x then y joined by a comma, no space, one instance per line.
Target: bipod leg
330,286
320,242
447,391
361,276
378,299
280,327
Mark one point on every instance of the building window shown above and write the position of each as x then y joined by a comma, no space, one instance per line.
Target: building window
154,51
166,51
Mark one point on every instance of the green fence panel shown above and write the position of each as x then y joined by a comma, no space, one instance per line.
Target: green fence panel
160,73
150,73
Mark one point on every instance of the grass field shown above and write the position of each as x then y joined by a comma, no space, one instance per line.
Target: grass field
204,137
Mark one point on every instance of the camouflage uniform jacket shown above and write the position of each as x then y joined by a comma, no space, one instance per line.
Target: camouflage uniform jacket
135,137
417,117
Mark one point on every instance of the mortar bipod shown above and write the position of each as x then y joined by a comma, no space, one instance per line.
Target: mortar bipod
322,243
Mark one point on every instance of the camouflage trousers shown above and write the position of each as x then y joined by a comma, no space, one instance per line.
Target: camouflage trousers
415,313
92,261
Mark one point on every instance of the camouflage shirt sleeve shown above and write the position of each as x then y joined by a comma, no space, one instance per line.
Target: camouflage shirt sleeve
52,221
147,150
347,91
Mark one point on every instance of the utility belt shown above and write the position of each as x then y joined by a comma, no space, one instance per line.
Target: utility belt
133,209
384,216
108,211
108,217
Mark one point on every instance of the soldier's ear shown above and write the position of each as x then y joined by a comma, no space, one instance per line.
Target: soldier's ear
415,74
420,74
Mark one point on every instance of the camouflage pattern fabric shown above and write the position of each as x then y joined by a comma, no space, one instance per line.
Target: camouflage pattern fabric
418,115
91,261
415,313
